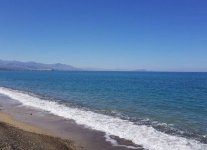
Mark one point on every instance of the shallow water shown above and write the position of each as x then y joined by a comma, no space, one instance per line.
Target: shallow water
161,105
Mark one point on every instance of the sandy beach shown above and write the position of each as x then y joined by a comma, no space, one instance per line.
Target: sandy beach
32,129
15,135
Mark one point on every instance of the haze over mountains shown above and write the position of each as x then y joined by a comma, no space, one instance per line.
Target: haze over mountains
34,66
17,65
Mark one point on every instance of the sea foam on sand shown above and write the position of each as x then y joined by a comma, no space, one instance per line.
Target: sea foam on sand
143,135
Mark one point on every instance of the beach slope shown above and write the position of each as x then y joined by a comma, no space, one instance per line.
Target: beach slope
19,136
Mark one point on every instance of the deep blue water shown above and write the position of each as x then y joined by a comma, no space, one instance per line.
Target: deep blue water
151,98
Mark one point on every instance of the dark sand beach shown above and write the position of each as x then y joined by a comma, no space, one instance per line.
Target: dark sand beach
13,138
16,135
26,128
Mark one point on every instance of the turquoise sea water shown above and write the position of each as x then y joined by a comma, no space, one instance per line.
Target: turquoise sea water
173,103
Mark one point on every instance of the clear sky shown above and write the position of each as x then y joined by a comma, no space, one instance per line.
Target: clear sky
112,34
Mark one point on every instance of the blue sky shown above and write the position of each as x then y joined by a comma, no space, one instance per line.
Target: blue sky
168,35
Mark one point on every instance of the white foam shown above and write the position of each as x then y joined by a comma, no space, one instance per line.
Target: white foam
115,143
148,137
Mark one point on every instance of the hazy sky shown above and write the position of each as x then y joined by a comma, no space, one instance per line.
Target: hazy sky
124,34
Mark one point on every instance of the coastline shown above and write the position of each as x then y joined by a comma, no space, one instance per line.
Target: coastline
34,121
19,135
47,115
10,121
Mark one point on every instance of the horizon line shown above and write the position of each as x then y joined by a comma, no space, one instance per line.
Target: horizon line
105,69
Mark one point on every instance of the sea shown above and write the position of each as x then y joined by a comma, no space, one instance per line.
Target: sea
158,110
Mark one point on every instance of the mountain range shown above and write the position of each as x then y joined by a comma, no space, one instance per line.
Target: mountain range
34,66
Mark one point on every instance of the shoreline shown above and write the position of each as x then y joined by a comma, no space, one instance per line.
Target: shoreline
9,120
18,135
40,122
66,123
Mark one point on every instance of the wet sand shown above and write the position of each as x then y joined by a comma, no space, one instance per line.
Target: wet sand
13,138
16,135
39,122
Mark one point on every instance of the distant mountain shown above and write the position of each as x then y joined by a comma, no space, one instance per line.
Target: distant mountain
17,65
